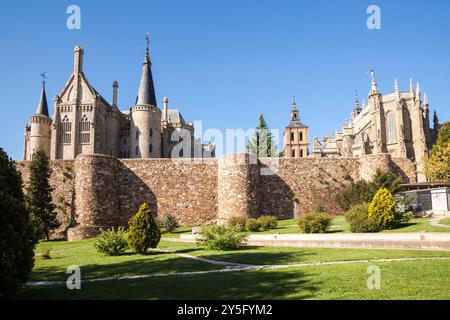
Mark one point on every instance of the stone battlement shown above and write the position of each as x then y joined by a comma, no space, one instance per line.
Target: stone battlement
102,191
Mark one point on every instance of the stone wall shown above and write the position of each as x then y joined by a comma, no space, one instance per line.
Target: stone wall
107,191
62,181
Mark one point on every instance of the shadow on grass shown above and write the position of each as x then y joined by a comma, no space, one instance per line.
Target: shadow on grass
251,255
115,266
261,284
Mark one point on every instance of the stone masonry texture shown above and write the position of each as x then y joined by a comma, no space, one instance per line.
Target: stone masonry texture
98,191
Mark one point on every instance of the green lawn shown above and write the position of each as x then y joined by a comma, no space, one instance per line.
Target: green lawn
339,224
445,221
426,279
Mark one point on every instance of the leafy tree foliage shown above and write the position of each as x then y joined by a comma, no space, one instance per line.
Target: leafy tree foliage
437,166
443,134
17,239
39,196
363,191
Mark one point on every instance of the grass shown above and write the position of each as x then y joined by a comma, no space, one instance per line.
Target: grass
426,279
445,221
96,265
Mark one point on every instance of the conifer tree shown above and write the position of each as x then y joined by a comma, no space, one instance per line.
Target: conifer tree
143,232
262,143
39,196
17,240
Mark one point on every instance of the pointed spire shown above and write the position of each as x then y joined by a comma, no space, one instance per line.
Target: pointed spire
374,87
42,108
418,91
411,86
295,120
435,121
425,100
146,92
396,90
357,105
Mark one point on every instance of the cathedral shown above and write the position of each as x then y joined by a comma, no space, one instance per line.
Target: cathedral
83,122
397,123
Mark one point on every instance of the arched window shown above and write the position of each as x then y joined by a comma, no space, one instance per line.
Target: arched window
84,129
151,132
390,128
65,133
301,136
292,136
181,153
151,148
301,153
293,153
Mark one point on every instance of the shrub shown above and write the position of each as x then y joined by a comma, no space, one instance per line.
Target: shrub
381,210
239,222
314,222
143,232
168,222
358,218
17,238
253,225
268,222
111,242
363,191
222,238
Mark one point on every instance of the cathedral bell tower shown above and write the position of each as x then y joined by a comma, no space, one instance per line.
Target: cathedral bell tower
296,136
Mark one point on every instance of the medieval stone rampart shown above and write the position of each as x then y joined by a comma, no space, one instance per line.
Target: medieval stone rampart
105,191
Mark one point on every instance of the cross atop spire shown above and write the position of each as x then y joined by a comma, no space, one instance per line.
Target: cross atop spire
294,104
357,105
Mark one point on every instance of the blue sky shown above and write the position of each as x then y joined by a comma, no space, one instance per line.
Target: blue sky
225,62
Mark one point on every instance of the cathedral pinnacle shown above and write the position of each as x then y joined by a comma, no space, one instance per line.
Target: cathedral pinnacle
374,87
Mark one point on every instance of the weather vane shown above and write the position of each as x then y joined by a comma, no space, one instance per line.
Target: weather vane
44,77
147,37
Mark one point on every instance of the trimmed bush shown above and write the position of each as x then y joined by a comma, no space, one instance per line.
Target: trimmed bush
222,238
358,218
168,222
381,210
143,232
314,222
268,222
17,238
253,225
239,222
111,242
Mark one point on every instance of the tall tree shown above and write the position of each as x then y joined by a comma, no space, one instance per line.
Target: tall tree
39,196
17,239
262,143
443,134
437,166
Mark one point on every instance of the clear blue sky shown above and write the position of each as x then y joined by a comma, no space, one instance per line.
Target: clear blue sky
224,62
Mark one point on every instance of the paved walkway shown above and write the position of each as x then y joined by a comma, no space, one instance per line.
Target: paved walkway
435,221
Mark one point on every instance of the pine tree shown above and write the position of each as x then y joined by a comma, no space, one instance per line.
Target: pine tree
262,143
17,240
382,209
39,196
143,232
